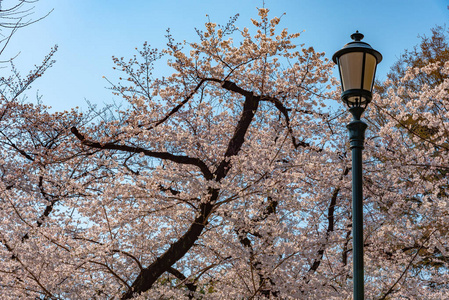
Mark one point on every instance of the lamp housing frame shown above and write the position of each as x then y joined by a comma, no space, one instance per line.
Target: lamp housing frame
360,96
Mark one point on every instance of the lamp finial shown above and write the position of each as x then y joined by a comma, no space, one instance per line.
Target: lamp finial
357,36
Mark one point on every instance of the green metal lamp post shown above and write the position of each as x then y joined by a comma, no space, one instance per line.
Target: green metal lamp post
357,63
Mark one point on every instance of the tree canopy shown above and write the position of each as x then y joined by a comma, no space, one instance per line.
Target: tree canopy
228,179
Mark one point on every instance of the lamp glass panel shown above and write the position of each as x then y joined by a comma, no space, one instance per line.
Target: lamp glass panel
370,69
356,99
351,65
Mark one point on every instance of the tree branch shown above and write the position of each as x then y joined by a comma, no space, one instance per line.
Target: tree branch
177,250
176,108
235,144
191,286
284,111
391,289
330,224
181,159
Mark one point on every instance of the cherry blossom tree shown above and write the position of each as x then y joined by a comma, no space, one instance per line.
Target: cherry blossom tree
408,181
228,179
202,154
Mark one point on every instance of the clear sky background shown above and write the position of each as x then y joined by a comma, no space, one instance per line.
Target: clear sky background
90,32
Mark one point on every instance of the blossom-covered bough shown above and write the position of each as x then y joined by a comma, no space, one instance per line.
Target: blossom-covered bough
227,179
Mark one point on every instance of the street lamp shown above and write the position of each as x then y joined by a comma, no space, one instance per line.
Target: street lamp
357,63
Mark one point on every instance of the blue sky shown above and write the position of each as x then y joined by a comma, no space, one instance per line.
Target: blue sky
89,32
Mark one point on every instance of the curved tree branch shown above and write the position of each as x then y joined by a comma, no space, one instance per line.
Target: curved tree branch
181,159
176,108
177,250
284,111
330,224
191,286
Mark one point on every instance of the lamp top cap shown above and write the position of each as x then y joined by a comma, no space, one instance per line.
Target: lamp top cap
357,46
357,36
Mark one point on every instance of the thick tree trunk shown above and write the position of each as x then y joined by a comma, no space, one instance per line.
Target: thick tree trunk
177,250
